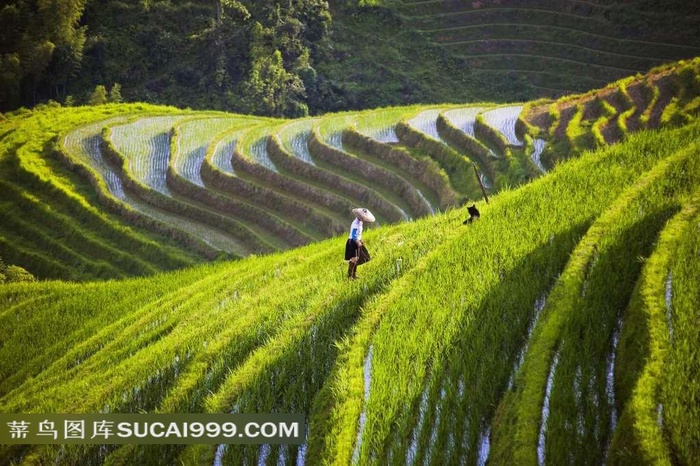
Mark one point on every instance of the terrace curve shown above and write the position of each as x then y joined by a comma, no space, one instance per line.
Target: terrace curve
85,145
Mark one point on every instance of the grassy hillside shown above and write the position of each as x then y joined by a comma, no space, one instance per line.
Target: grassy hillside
507,339
559,328
89,189
53,221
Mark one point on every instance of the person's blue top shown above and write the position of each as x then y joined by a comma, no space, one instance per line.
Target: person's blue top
356,230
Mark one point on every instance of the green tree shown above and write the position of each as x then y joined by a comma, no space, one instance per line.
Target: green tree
14,273
232,10
115,94
10,80
41,47
272,90
98,96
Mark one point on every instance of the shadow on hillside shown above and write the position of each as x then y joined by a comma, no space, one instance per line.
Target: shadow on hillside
289,383
448,419
467,378
584,417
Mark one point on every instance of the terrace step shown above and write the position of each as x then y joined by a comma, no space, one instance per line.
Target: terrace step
266,224
456,165
295,139
189,140
611,130
375,134
537,149
328,137
352,191
253,146
424,172
432,123
552,46
426,123
391,186
29,213
463,118
605,245
83,146
144,167
609,115
503,119
496,129
515,63
641,94
457,129
658,308
432,7
595,41
325,202
298,139
543,48
96,223
219,175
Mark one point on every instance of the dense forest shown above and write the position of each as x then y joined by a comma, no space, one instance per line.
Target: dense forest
251,56
295,57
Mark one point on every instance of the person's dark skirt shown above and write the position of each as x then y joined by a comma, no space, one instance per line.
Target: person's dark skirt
350,249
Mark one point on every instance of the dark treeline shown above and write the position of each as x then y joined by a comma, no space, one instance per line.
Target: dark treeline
252,56
41,49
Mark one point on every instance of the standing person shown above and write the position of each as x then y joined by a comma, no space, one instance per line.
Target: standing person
354,243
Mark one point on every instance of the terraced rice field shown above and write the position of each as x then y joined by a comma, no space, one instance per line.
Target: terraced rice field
224,147
192,143
54,226
294,137
253,146
558,328
145,143
464,118
426,123
223,183
503,119
331,129
535,335
380,125
84,144
537,149
222,177
144,146
576,123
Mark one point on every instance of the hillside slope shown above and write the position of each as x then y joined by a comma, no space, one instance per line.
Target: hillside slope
516,338
551,48
52,220
88,189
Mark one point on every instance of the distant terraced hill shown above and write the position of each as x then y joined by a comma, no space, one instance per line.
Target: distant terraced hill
666,96
208,184
557,47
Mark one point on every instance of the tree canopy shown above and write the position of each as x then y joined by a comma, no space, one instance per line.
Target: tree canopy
254,56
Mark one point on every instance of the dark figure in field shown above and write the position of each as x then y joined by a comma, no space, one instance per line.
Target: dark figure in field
355,251
473,214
